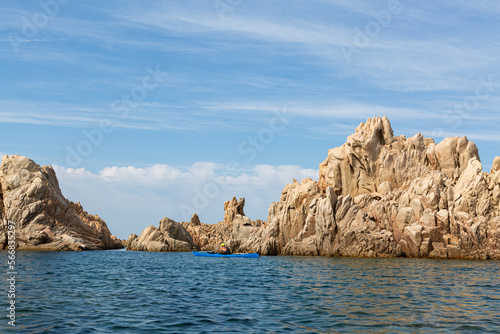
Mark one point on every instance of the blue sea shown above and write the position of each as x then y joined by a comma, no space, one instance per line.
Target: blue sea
143,292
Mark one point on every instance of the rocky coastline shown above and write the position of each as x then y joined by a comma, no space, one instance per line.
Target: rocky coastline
378,195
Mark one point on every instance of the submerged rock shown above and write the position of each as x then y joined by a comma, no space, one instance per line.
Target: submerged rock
30,198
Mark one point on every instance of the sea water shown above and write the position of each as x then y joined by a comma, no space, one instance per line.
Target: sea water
148,292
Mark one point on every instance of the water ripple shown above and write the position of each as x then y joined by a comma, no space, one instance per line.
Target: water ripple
139,292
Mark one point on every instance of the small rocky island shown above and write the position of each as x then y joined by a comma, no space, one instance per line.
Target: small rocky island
30,198
378,195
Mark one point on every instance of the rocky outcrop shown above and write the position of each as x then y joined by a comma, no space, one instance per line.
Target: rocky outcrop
30,198
169,236
383,196
232,208
208,236
234,228
308,221
373,160
378,195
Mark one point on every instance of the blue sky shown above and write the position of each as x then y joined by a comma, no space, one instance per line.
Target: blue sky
158,98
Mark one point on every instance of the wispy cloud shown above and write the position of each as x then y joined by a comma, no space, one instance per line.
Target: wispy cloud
342,109
421,63
30,40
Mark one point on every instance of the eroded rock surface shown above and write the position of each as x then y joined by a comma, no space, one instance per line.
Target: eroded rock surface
170,236
372,159
30,197
232,230
381,195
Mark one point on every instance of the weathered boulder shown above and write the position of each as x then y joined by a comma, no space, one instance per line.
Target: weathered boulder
453,154
195,220
242,226
170,236
30,198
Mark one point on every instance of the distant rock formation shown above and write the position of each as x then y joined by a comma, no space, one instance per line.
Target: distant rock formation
30,198
170,236
231,230
385,196
208,236
233,208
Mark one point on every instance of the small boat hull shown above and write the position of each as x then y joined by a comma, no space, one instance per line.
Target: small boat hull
250,255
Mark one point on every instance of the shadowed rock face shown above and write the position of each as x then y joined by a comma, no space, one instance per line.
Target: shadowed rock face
169,236
30,198
385,196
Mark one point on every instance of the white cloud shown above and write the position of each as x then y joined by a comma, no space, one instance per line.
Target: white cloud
154,175
187,20
131,198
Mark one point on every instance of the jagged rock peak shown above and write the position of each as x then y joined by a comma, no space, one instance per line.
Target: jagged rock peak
195,220
373,160
496,165
380,129
169,236
232,208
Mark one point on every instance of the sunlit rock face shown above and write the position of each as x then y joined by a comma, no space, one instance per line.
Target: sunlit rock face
31,200
169,236
381,195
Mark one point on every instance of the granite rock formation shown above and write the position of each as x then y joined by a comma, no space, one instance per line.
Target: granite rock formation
30,198
170,236
373,160
208,236
234,228
381,195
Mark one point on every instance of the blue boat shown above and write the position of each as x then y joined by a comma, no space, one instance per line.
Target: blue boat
249,255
